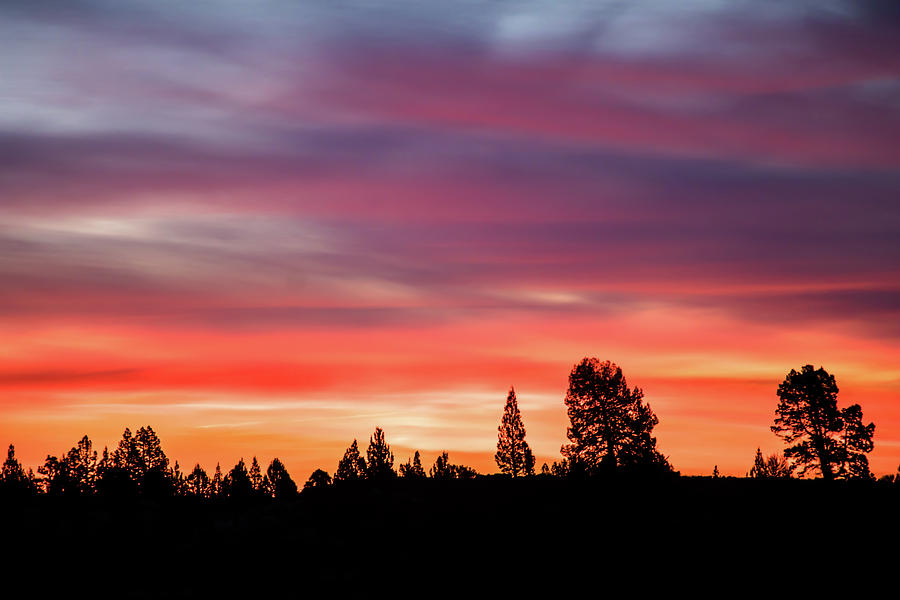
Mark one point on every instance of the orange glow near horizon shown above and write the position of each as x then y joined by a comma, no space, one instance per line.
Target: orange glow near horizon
304,396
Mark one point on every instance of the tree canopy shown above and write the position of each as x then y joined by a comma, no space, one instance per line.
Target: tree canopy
823,437
610,425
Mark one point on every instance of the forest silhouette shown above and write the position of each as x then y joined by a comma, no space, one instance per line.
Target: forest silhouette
611,483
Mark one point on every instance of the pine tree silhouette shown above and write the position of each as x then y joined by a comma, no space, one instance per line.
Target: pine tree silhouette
413,468
352,467
380,459
278,481
513,455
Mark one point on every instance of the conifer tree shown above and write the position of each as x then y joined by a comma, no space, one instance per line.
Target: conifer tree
826,439
13,479
197,482
413,468
236,484
380,459
318,479
255,476
149,451
81,464
352,467
513,455
217,485
279,483
610,424
442,468
758,470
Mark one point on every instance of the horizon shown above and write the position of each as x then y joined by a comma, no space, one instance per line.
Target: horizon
266,232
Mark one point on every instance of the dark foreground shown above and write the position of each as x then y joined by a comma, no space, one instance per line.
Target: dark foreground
430,536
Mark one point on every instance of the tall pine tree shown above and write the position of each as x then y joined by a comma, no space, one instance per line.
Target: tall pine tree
380,463
513,455
352,466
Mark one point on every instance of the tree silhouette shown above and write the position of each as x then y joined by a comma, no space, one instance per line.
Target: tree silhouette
610,425
380,459
236,484
81,465
318,479
279,482
413,468
217,484
773,466
256,477
513,455
57,478
352,467
149,451
198,483
444,469
826,439
13,479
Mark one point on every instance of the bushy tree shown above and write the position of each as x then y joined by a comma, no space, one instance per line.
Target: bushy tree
352,467
444,469
513,455
775,466
610,424
826,439
279,483
318,479
379,458
412,469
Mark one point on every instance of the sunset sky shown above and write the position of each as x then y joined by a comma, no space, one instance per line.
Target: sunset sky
266,227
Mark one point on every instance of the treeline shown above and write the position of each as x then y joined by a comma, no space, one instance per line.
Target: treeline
610,431
138,466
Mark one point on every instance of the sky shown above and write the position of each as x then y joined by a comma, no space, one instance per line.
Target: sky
264,228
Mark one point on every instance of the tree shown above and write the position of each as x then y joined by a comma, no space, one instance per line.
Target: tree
81,464
352,467
610,425
826,439
412,469
13,479
216,485
380,459
318,479
772,467
198,483
149,451
513,455
444,469
278,481
237,483
256,477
